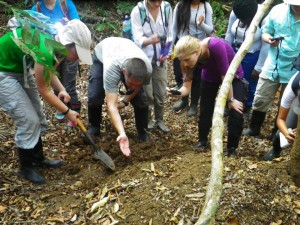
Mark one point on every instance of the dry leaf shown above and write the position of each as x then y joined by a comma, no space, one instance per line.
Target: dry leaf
196,195
232,221
2,208
99,204
252,166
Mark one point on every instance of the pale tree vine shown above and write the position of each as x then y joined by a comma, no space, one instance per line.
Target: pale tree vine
215,186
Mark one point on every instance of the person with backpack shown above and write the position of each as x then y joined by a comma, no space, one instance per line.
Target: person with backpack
237,30
214,56
118,60
20,90
280,31
152,31
287,117
192,17
60,12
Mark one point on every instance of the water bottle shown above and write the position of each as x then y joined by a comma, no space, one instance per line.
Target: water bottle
126,30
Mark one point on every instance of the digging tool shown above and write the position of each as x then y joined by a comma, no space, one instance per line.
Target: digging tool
98,153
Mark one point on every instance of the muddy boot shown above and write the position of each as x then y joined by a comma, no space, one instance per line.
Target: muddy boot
195,95
256,123
181,104
159,114
141,123
39,159
274,152
151,122
201,145
231,152
27,170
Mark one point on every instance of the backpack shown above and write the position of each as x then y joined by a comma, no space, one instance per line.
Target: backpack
145,19
36,20
63,6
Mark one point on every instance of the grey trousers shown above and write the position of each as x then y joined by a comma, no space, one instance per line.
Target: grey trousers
24,107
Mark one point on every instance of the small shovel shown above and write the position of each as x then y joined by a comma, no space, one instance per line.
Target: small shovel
98,153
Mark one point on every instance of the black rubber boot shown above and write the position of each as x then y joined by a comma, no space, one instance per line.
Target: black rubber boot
256,123
201,145
27,170
231,152
195,95
39,159
181,104
141,123
274,152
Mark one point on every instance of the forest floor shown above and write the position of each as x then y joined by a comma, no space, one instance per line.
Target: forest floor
162,182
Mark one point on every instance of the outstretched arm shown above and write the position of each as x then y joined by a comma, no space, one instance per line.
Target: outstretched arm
112,103
48,95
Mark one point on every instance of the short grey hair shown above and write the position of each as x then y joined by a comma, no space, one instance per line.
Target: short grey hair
136,68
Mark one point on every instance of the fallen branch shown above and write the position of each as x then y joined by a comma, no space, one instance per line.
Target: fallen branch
215,186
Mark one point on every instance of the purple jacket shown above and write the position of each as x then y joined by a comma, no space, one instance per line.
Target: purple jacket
221,55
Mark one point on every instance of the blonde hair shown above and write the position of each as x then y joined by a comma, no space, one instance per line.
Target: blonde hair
186,46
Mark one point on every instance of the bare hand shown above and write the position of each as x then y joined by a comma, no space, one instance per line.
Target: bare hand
255,74
274,43
200,19
124,144
64,95
72,116
291,136
154,38
236,105
120,105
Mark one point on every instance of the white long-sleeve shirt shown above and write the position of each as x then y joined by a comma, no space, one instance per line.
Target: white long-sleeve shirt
141,32
199,31
236,34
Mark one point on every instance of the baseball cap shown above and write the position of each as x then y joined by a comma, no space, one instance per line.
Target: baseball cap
78,33
292,2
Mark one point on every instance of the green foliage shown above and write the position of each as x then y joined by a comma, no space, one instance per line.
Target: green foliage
220,18
102,12
29,42
124,7
107,26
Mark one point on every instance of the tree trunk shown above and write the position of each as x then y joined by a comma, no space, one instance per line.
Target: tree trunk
215,186
295,157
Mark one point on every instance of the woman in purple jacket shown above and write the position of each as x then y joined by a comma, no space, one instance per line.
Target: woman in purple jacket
214,55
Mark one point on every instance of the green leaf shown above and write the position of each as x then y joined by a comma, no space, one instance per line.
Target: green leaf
24,48
36,37
26,32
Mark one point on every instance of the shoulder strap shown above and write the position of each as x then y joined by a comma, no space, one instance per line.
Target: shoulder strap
167,10
38,6
295,84
64,8
142,12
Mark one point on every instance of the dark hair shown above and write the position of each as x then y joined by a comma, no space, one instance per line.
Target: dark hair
184,14
136,68
245,10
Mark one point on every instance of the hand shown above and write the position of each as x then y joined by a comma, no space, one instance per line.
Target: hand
162,58
255,74
274,43
200,19
64,95
236,105
72,116
121,105
291,136
124,144
154,38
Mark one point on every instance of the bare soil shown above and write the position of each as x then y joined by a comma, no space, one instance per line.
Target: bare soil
162,182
